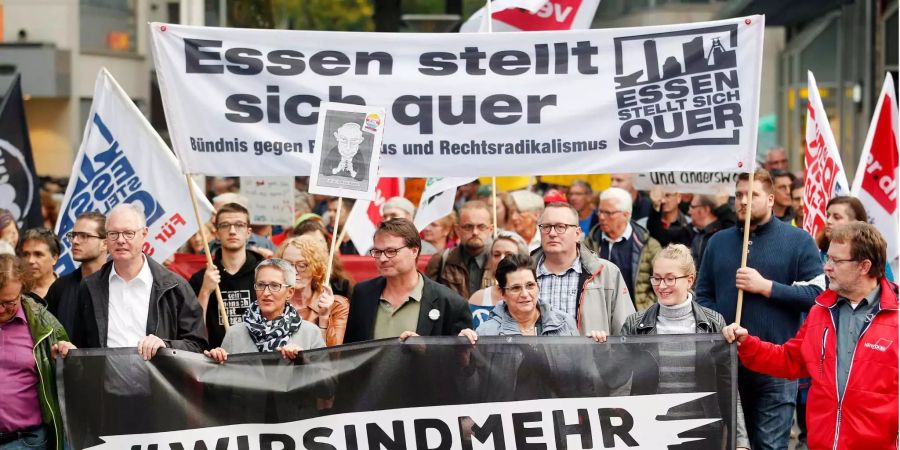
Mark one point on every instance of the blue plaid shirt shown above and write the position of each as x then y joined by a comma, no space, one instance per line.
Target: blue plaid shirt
560,290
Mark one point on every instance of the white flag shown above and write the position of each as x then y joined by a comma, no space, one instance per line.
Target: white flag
123,160
437,199
875,183
547,15
366,215
824,172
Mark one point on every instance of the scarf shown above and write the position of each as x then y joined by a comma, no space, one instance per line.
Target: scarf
271,334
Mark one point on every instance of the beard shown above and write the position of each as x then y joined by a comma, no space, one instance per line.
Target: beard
474,245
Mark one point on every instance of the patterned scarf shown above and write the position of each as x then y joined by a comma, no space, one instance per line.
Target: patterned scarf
271,334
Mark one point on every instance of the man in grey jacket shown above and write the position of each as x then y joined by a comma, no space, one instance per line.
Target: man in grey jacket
133,300
574,279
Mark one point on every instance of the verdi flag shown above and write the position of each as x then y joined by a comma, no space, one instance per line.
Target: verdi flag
824,176
123,160
435,393
548,15
18,180
875,183
366,215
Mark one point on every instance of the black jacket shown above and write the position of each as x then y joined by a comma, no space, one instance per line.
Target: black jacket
237,293
175,315
454,311
62,299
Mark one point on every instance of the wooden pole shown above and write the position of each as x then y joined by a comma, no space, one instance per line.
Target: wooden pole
494,199
746,246
334,235
209,262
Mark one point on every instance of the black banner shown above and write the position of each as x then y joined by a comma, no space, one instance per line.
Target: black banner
530,393
18,180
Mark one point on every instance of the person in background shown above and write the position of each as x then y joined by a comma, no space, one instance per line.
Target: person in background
49,209
581,197
313,298
705,223
525,209
40,248
88,241
783,209
842,210
257,243
9,230
345,246
641,204
398,207
29,339
194,245
341,282
483,301
271,324
797,202
462,268
852,325
676,312
776,159
666,223
439,233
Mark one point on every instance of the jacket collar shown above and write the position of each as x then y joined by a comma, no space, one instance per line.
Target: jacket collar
648,323
888,300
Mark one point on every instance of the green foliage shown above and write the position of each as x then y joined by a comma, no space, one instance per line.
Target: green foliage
329,15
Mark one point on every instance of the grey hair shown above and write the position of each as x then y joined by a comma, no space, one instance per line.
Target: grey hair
286,268
587,186
527,201
619,196
132,208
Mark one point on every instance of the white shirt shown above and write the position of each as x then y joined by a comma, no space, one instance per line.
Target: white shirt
129,306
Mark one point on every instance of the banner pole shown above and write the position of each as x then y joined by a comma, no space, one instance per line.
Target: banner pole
209,262
494,202
334,235
745,249
489,13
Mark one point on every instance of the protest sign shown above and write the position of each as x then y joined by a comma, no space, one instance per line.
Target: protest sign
123,160
875,183
427,393
348,143
551,15
245,102
437,199
18,180
824,176
709,183
272,199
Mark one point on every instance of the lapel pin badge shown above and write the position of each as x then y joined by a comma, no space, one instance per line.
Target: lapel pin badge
434,314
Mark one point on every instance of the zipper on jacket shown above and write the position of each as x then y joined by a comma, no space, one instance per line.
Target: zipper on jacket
822,359
53,421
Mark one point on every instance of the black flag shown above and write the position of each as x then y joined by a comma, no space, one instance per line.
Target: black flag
18,179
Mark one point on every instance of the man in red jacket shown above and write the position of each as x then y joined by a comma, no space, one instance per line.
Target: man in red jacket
847,346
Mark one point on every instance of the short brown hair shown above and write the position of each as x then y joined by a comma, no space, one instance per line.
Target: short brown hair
98,218
562,205
233,208
403,229
14,269
865,243
40,235
475,204
760,176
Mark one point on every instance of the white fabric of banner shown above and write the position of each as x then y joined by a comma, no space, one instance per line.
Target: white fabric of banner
243,102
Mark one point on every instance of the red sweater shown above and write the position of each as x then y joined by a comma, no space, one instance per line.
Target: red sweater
866,417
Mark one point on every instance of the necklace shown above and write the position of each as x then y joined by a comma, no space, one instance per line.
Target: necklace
527,331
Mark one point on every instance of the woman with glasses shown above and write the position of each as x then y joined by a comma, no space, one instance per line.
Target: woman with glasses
341,282
677,313
313,298
483,301
840,210
271,324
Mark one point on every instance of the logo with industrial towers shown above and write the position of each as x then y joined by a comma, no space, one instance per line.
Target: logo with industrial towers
678,89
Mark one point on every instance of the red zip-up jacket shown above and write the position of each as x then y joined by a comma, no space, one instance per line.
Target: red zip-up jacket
866,417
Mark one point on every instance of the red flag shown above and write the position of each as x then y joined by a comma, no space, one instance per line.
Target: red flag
365,216
553,15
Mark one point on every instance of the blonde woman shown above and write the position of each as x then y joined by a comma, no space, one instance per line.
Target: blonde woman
313,298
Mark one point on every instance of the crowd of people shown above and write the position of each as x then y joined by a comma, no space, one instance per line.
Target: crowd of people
570,262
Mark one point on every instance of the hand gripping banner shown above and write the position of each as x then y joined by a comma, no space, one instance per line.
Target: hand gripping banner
243,102
427,393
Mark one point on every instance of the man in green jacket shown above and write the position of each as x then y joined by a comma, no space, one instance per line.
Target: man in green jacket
30,416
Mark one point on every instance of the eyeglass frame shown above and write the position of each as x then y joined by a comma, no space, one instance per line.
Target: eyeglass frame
114,235
71,235
834,262
11,303
390,253
601,212
471,227
546,227
661,281
516,289
270,287
238,226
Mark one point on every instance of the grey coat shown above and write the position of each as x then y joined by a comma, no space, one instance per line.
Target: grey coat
553,322
238,340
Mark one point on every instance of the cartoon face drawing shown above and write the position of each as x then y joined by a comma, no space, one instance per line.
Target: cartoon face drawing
348,136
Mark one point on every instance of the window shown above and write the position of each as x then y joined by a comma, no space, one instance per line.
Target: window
108,26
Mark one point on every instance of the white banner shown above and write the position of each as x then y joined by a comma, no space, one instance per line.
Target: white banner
272,199
824,171
710,183
245,102
875,183
123,160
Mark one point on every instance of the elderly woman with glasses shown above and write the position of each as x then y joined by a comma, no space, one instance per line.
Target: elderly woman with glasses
313,298
676,312
271,324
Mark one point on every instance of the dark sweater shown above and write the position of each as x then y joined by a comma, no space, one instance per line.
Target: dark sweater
237,293
781,253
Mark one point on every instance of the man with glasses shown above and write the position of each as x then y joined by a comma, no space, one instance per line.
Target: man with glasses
783,207
402,302
782,279
626,244
87,241
462,269
232,271
853,324
574,280
133,300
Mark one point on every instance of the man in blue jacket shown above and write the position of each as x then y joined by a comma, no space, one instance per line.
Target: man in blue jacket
781,281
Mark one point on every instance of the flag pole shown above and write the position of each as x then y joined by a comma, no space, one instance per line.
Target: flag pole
334,235
490,17
209,262
745,249
494,202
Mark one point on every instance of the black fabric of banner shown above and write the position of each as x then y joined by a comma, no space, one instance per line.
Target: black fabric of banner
16,160
108,392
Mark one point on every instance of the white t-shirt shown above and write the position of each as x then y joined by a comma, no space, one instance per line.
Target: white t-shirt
129,306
